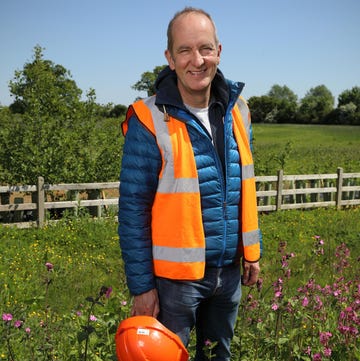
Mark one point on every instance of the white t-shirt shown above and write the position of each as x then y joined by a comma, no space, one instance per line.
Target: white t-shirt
203,115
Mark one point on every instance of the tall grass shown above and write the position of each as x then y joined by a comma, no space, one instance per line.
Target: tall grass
306,149
65,289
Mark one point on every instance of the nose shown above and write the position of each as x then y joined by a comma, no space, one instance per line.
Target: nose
197,58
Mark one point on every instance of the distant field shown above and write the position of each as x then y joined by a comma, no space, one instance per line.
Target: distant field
306,149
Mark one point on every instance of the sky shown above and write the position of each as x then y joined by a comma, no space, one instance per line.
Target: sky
107,45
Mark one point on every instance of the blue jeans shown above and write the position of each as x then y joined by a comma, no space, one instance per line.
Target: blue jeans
210,304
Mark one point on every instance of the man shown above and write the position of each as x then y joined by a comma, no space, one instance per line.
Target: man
187,208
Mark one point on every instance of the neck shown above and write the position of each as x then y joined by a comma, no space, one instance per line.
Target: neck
196,99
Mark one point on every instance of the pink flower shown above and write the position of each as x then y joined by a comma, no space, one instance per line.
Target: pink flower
327,352
305,301
7,317
18,323
123,303
78,313
108,292
259,284
274,306
324,337
317,357
93,318
27,330
49,266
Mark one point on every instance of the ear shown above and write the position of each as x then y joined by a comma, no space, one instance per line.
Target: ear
170,59
218,53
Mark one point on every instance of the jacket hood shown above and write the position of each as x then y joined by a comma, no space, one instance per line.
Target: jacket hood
167,92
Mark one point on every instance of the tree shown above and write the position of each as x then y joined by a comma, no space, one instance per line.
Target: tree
350,96
147,81
117,111
57,136
282,93
285,103
279,105
348,110
43,88
262,109
316,105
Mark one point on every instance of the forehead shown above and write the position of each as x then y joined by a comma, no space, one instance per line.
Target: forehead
193,27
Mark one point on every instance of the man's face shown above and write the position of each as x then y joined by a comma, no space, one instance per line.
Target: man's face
194,55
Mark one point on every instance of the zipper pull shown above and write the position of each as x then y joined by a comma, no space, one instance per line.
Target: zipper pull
166,115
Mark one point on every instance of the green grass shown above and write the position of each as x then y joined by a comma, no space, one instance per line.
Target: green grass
85,253
306,149
86,256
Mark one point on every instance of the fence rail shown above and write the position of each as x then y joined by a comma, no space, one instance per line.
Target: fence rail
34,203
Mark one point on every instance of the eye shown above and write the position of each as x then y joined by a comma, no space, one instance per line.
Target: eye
184,51
206,50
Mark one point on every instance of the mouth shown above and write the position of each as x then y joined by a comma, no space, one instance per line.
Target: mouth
197,72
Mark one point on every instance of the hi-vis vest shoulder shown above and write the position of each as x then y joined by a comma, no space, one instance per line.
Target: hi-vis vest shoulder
177,230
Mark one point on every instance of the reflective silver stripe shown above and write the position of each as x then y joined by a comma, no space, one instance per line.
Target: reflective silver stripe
168,183
172,254
247,171
178,185
244,111
251,237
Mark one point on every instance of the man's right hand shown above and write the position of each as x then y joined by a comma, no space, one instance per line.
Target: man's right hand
146,304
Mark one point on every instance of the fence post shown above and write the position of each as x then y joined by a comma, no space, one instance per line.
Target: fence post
94,211
268,187
279,189
5,199
339,187
40,200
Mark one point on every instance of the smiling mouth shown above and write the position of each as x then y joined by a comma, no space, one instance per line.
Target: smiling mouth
196,73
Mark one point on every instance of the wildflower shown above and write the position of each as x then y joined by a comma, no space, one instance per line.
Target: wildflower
49,266
305,301
123,303
18,323
324,337
278,294
317,357
93,318
284,264
259,284
327,352
337,293
207,343
105,291
7,317
319,303
27,330
78,313
307,351
274,306
108,292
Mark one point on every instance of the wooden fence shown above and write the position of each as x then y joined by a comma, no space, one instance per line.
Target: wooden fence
274,193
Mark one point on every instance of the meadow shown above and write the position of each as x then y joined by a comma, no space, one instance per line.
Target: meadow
63,290
306,149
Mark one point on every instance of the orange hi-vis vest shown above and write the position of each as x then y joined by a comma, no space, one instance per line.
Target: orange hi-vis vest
177,230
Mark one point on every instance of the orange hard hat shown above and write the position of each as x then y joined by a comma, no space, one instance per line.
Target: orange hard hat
144,338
